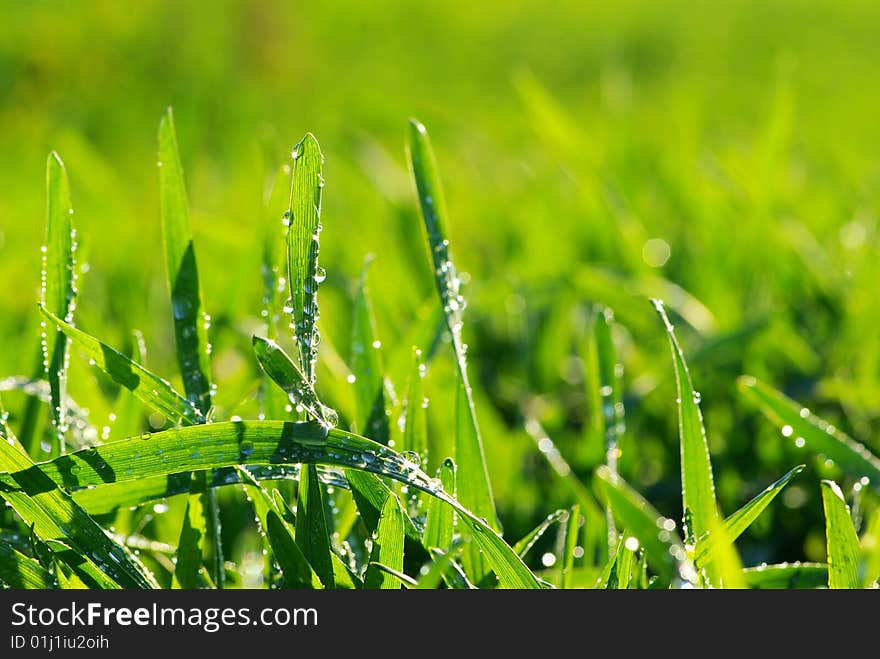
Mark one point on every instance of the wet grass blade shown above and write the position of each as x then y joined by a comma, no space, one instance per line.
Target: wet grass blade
190,320
366,366
787,575
698,488
618,572
440,518
145,490
817,435
150,389
190,333
475,491
53,515
303,272
841,539
311,526
20,571
227,444
739,521
440,567
370,495
387,547
654,532
529,539
284,372
59,287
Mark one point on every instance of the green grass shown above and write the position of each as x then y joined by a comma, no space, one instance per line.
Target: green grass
476,351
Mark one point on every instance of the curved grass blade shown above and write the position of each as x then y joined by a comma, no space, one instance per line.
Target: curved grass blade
286,374
698,488
53,515
743,518
817,435
387,547
304,227
440,519
402,578
227,444
654,532
440,568
366,366
841,538
59,287
475,491
787,575
20,571
156,393
529,539
311,526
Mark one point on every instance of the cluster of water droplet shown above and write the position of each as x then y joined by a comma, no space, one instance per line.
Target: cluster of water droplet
65,312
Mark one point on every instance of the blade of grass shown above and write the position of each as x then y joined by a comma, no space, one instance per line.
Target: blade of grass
441,565
814,433
226,444
654,532
623,565
787,575
295,568
366,366
841,538
604,393
311,525
474,488
304,227
743,518
387,547
401,578
529,539
191,324
150,389
284,372
698,488
370,495
440,519
59,287
415,425
190,319
22,572
188,566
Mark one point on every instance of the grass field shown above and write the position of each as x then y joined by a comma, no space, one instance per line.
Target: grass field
593,157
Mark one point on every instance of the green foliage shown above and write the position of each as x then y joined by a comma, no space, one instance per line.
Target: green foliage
648,155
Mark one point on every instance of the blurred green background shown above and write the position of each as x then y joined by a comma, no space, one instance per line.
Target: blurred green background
722,156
